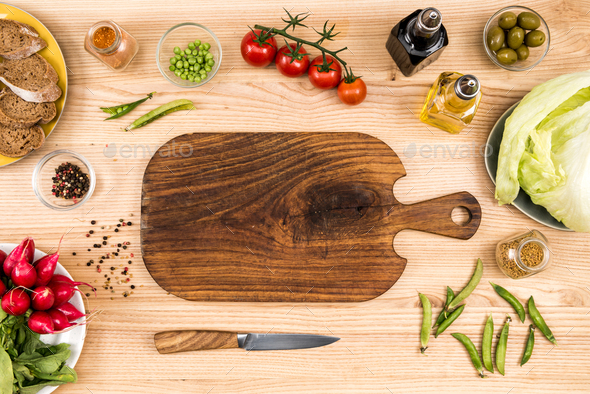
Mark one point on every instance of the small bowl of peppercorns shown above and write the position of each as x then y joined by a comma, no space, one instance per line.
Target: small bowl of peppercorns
63,180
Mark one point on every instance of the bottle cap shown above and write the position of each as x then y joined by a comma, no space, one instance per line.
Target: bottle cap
429,20
467,87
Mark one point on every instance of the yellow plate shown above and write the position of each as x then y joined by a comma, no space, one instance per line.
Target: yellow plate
52,53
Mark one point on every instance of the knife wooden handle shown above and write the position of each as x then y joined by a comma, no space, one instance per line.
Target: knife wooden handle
184,341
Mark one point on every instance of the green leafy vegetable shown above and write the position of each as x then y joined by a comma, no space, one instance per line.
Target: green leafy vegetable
6,375
546,150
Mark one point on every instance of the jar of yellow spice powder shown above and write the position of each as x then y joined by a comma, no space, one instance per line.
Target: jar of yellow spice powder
523,255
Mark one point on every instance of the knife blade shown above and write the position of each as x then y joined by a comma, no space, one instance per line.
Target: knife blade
183,341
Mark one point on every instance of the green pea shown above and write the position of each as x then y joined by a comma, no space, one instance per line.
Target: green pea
507,20
197,79
191,68
515,37
522,52
178,73
187,51
449,320
528,20
200,53
125,107
172,60
507,56
534,38
539,321
208,68
209,55
426,321
210,62
501,347
191,78
197,67
486,344
191,56
512,300
192,61
530,344
197,43
177,50
179,64
472,350
185,64
206,46
205,53
443,315
200,59
195,52
171,68
468,289
191,45
119,110
495,38
183,77
178,57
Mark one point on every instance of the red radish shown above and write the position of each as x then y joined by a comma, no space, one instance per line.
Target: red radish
16,302
30,249
71,312
23,274
2,257
63,292
42,298
60,321
17,254
45,267
41,323
65,279
2,288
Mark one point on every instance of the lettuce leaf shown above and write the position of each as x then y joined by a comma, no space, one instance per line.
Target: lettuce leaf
534,108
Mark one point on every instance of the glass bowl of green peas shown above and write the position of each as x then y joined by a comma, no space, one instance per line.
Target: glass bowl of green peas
189,55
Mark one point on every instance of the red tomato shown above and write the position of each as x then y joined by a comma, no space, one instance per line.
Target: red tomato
292,66
352,93
325,79
258,54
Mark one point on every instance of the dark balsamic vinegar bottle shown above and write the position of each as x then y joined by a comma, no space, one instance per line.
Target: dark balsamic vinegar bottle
417,40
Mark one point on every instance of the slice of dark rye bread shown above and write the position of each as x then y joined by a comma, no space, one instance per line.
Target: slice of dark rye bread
32,79
18,141
16,112
18,40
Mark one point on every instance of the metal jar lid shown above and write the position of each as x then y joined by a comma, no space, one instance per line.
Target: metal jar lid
467,87
429,20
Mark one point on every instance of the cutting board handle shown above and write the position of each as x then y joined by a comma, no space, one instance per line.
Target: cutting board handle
184,341
434,216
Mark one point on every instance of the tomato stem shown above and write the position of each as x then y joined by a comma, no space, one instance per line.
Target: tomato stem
282,32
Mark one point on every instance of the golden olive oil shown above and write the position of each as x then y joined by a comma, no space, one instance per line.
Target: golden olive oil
451,102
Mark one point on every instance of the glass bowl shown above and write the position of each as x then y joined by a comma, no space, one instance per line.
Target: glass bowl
180,36
536,54
45,171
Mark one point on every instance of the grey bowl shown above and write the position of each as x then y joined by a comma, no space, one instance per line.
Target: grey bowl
522,202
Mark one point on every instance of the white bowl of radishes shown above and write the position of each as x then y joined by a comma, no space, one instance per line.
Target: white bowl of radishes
47,294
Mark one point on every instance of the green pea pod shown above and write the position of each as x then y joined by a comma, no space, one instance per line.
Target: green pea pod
173,106
471,350
528,349
512,300
449,320
426,320
473,282
539,321
443,313
501,347
119,110
486,344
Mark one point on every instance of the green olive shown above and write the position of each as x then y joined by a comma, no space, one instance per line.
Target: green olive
528,21
522,52
507,56
534,38
507,20
496,38
515,37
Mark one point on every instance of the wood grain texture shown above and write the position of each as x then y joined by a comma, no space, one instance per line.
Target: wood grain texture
190,340
275,217
379,350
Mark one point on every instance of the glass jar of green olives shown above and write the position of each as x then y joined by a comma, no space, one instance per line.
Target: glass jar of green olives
516,38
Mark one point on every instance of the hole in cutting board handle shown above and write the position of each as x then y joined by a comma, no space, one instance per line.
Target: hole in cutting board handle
461,216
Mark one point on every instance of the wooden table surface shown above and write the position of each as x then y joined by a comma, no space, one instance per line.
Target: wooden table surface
378,352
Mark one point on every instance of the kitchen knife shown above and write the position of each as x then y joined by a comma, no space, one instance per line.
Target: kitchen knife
183,341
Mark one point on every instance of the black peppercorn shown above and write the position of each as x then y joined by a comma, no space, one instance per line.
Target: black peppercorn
129,223
104,242
73,254
112,268
116,230
91,232
130,262
118,225
124,247
93,222
105,238
133,286
118,245
89,264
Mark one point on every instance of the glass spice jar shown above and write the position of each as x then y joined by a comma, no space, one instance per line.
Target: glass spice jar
523,255
111,44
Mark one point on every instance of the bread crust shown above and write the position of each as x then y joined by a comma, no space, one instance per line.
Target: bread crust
34,129
49,92
22,121
36,43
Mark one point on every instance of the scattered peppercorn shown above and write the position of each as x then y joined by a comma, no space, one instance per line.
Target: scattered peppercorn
91,231
87,235
87,294
124,247
88,264
104,242
129,223
93,222
130,262
73,254
120,220
118,245
133,286
116,230
112,268
118,225
105,238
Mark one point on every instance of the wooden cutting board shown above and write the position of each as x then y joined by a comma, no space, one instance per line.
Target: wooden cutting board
292,217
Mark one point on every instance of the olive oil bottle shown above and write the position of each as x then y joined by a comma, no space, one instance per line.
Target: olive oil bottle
417,40
452,102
